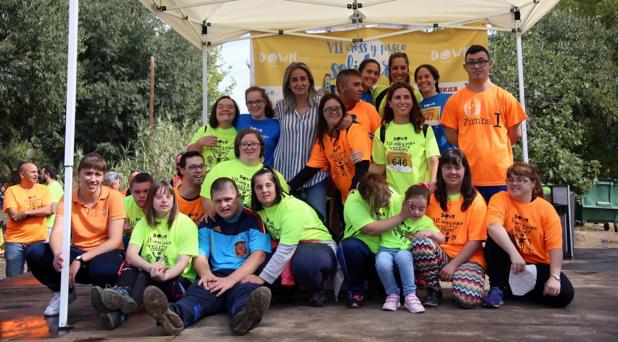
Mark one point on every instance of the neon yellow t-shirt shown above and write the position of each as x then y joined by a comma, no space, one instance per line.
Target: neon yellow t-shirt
133,211
405,153
241,175
357,214
292,220
55,194
161,241
224,149
398,236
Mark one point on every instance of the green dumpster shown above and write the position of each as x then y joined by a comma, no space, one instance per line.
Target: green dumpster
600,203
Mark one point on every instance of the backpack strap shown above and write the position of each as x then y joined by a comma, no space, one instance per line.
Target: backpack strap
382,133
378,100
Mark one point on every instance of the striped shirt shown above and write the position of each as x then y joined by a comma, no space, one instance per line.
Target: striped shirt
296,140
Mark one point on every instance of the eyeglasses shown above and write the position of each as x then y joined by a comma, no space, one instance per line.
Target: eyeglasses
255,103
517,180
250,145
480,63
198,167
332,110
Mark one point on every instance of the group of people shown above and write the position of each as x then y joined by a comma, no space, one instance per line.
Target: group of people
425,185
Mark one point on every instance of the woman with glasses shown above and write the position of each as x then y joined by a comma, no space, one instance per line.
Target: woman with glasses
249,150
403,147
459,212
260,119
370,73
427,77
298,116
215,141
524,229
398,72
344,153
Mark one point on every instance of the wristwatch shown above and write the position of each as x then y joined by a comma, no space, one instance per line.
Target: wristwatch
555,276
81,261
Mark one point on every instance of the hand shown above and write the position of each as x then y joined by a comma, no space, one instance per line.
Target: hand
157,271
356,156
446,274
252,278
424,234
406,210
19,216
518,263
73,269
58,262
208,141
221,285
552,287
207,281
432,186
345,122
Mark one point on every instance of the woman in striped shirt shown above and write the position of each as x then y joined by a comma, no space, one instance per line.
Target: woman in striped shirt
297,113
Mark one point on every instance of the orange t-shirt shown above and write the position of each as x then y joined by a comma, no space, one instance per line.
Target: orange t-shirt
190,207
366,115
335,157
32,228
482,121
459,227
534,227
90,226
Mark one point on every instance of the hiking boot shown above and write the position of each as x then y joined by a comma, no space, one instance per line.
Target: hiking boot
413,304
155,302
53,307
391,303
249,317
356,301
111,320
118,299
317,299
434,296
95,299
494,298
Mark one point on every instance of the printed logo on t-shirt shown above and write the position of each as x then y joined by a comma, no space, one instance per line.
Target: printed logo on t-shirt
447,225
472,108
338,155
219,153
241,249
270,226
156,245
244,184
34,202
521,229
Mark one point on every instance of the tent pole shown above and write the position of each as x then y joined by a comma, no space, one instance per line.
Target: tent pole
69,141
522,97
205,84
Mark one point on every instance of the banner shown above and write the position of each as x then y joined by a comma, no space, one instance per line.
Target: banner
444,49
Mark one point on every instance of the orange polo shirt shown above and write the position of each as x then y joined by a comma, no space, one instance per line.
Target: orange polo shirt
32,228
190,207
459,227
335,157
534,227
90,226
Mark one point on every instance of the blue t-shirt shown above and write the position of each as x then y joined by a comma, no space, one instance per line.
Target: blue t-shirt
367,96
228,244
432,111
269,128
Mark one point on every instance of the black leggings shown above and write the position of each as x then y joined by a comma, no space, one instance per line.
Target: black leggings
499,266
136,281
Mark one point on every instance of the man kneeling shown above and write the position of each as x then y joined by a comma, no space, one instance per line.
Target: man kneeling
231,246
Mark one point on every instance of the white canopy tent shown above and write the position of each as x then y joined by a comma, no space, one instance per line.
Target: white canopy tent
208,23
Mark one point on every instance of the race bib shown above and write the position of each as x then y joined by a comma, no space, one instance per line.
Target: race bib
399,161
432,115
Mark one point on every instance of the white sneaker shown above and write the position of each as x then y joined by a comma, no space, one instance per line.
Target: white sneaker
53,307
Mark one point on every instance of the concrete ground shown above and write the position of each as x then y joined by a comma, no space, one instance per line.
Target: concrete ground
592,316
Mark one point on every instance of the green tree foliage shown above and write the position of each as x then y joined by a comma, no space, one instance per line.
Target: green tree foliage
571,95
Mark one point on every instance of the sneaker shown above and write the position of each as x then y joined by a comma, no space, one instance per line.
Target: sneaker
251,315
413,304
95,299
118,299
111,320
434,296
494,298
53,307
317,299
356,301
155,302
391,303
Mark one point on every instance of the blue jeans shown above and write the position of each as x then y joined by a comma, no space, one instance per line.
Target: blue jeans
15,255
359,265
488,191
385,260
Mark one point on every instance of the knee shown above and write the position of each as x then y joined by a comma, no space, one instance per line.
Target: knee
403,257
423,246
384,262
35,252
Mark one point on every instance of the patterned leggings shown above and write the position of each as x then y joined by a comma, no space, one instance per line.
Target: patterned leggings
468,279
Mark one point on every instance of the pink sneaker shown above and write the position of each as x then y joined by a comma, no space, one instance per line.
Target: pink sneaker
391,303
413,304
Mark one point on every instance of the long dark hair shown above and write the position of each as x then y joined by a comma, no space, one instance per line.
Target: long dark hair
266,170
432,70
322,128
149,212
455,157
416,116
212,118
268,106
